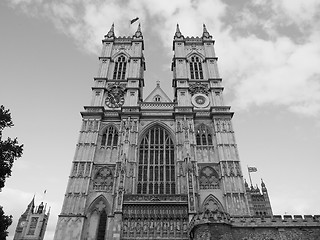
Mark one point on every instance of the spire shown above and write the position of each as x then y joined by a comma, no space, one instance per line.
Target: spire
263,186
110,34
138,33
178,33
158,83
205,33
30,207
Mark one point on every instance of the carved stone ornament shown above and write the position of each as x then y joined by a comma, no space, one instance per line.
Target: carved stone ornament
115,96
103,180
199,88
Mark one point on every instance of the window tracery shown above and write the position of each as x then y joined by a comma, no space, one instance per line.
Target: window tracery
156,170
196,71
120,67
103,180
209,178
203,136
110,137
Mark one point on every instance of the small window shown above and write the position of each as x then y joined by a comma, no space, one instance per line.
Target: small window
157,98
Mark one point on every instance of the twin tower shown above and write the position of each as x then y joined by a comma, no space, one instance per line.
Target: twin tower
155,168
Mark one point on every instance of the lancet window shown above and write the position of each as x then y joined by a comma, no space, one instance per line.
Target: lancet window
120,67
196,71
110,137
156,170
203,136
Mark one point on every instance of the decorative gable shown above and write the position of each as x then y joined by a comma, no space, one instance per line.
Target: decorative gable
157,95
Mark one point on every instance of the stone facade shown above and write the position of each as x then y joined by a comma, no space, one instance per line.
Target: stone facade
156,168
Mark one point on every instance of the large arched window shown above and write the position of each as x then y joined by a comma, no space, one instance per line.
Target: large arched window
196,71
110,137
156,170
120,68
203,136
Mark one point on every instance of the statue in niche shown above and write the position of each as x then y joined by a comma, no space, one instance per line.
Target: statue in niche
178,225
145,226
179,127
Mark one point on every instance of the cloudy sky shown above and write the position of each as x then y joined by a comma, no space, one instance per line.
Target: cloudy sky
269,59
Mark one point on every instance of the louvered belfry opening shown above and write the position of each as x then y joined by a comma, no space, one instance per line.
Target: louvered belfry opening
156,170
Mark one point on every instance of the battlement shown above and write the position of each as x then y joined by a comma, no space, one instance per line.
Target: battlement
264,221
276,221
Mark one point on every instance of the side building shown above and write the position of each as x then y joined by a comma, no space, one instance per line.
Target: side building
156,168
33,223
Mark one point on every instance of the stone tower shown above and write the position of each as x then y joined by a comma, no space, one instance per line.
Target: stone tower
33,223
145,169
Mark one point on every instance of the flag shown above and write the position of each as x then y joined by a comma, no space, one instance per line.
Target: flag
252,169
134,20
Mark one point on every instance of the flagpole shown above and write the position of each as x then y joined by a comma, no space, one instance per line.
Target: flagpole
249,176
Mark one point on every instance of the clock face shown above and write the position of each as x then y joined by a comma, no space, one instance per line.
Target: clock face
23,223
200,100
114,101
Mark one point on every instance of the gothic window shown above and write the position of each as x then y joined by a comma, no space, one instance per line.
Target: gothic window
120,67
196,71
209,178
203,136
102,225
157,98
110,137
156,170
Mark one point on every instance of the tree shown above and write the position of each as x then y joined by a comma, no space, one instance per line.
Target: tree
10,150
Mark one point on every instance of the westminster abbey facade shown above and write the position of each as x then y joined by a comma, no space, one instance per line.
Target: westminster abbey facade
157,168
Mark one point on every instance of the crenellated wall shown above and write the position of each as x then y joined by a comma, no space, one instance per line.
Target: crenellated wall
210,226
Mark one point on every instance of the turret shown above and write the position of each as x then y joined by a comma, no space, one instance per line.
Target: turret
110,34
205,33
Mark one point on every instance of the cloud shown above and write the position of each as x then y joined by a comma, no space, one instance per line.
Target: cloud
269,49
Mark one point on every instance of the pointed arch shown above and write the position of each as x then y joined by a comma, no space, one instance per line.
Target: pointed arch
97,215
156,161
96,206
157,123
117,54
211,204
195,53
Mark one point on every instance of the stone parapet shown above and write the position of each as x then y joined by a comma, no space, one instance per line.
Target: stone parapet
276,221
216,225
